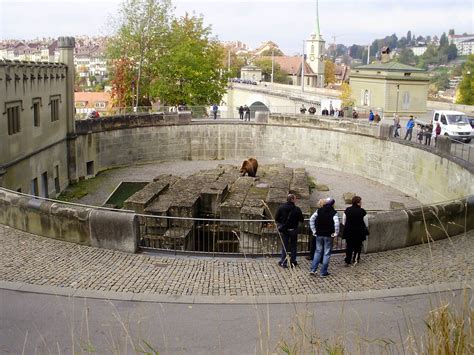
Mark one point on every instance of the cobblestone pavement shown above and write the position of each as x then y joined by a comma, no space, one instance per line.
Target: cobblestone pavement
41,261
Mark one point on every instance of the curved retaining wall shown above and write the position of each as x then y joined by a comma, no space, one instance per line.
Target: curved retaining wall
78,224
346,147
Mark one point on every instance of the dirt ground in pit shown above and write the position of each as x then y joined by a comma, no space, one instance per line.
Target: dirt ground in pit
375,196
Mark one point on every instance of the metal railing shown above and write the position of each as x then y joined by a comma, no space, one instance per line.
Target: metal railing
462,150
220,236
459,149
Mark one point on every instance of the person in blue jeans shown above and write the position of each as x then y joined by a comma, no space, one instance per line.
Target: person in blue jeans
287,218
410,126
324,224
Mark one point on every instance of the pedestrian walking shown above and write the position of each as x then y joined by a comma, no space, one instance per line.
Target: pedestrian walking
428,133
247,113
371,116
421,134
396,125
287,218
356,228
214,110
324,224
437,132
377,118
241,112
410,125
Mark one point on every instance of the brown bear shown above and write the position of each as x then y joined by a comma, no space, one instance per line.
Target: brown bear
249,167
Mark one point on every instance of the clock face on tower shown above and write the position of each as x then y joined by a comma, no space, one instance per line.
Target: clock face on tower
311,57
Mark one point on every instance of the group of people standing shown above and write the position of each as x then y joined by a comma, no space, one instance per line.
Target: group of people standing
325,226
425,132
244,113
374,117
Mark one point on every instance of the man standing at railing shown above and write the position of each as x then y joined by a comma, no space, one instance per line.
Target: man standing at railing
287,218
324,224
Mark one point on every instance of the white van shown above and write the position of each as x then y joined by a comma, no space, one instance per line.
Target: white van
454,124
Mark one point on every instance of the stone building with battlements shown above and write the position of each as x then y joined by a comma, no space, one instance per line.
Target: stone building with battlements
37,122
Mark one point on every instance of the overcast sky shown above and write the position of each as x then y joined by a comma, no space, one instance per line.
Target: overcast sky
287,23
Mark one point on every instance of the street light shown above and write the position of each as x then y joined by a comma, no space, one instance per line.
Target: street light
398,93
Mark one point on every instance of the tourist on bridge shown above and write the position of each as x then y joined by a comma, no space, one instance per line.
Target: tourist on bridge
371,116
287,218
241,112
214,110
324,224
325,112
356,228
377,118
247,113
437,132
428,133
396,125
410,126
303,109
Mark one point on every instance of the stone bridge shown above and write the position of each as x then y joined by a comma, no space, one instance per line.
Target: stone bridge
276,98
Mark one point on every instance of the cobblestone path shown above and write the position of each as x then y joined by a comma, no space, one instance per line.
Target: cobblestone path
41,261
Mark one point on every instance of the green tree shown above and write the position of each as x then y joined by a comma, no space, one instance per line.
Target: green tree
406,56
452,51
465,94
236,63
139,36
441,80
190,70
329,72
443,40
275,51
346,95
266,65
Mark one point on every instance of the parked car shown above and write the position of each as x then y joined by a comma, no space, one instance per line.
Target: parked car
471,121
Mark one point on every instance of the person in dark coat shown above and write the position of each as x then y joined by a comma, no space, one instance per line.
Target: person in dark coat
287,218
241,112
356,227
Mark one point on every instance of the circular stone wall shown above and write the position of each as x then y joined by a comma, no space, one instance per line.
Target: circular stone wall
421,174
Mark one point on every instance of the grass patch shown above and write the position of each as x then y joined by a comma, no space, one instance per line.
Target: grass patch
76,191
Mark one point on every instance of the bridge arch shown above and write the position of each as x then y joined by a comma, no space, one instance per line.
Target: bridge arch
257,106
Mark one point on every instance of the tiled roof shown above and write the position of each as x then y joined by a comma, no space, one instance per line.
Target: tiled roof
291,65
92,97
390,66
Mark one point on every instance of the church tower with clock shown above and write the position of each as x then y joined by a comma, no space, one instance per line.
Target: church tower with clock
315,55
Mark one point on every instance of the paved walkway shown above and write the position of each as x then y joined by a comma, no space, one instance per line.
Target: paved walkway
30,259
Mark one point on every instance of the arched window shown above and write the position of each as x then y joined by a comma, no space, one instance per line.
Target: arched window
312,48
365,98
406,100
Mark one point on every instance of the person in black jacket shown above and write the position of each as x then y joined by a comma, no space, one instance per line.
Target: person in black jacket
324,224
287,218
356,226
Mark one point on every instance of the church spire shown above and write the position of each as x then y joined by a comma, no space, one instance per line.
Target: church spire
316,29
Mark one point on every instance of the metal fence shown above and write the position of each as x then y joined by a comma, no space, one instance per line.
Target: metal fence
459,149
220,236
462,150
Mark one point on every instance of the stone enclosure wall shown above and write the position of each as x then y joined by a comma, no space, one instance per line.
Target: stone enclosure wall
429,177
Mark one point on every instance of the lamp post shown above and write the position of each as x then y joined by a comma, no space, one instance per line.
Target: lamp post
302,68
273,63
398,93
